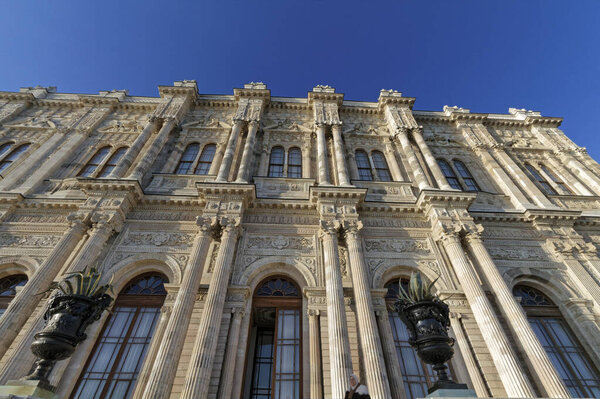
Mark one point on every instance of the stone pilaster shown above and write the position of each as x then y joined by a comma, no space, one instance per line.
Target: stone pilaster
247,155
390,355
392,161
225,167
25,302
369,336
506,361
316,381
537,359
339,344
430,159
227,376
322,162
415,165
149,156
135,149
198,376
340,159
307,157
161,378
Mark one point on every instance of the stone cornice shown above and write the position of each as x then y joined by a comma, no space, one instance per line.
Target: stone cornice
92,185
546,216
313,96
16,96
393,97
333,193
226,191
454,199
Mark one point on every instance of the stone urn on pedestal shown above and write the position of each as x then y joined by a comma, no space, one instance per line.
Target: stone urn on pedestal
77,302
427,318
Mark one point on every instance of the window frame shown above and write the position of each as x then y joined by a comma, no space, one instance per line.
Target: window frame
368,167
200,161
556,180
11,151
377,169
5,300
469,178
100,165
282,164
452,176
539,180
108,163
293,165
139,302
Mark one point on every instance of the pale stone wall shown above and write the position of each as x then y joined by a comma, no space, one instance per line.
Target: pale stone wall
217,236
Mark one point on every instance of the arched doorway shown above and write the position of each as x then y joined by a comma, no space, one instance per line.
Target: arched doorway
274,367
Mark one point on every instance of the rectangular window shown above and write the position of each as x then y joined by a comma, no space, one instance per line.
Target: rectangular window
287,366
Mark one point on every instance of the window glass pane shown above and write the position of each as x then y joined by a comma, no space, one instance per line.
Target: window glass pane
466,175
546,187
9,284
94,162
112,162
5,147
187,159
263,365
206,159
13,156
294,163
276,162
363,165
449,174
383,172
287,370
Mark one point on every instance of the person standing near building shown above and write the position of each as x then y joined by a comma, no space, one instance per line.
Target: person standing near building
357,390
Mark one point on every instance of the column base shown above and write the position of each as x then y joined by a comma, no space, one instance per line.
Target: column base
27,389
453,393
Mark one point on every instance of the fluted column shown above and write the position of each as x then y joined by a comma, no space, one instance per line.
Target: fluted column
393,162
217,159
247,155
306,158
197,379
430,160
536,356
337,328
226,382
505,359
229,151
367,326
390,355
340,158
161,378
316,382
589,178
135,149
415,165
26,300
570,179
322,156
152,152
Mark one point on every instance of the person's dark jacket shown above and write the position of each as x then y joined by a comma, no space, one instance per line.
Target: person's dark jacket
356,395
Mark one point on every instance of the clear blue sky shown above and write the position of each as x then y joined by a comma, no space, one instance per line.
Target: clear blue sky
483,55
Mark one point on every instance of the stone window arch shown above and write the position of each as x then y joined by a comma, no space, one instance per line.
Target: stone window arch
114,364
12,156
579,374
275,342
8,289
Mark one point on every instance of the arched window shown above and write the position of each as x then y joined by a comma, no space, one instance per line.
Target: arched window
561,185
566,353
275,341
208,152
94,162
114,364
276,162
112,162
363,165
546,187
416,375
8,289
294,169
12,156
449,174
5,147
466,176
187,159
381,166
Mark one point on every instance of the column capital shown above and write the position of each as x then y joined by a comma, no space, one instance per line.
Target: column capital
254,123
473,232
329,227
206,224
238,311
229,224
79,220
313,312
351,228
107,221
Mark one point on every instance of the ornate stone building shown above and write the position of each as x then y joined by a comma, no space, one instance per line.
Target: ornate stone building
254,242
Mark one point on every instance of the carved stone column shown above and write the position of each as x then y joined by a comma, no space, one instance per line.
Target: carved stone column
151,153
430,160
316,381
218,158
367,326
161,378
340,160
103,226
226,382
248,154
229,151
322,162
135,149
415,165
535,355
390,355
505,359
26,300
339,344
393,162
201,364
307,157
581,171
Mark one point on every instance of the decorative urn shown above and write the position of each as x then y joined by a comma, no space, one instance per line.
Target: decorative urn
78,301
427,318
